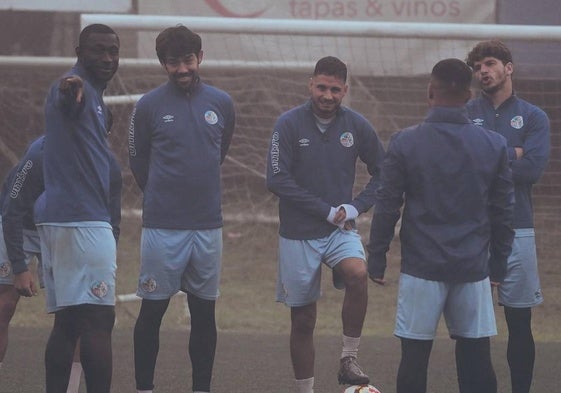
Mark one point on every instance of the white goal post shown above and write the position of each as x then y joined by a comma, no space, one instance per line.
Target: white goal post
464,31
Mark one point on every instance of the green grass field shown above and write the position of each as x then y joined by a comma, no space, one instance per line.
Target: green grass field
248,290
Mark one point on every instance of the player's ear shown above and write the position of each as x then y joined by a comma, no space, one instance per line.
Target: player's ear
200,57
509,67
430,91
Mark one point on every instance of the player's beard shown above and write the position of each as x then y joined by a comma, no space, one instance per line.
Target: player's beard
326,109
188,84
493,88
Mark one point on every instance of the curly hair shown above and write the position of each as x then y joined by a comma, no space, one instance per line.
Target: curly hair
490,48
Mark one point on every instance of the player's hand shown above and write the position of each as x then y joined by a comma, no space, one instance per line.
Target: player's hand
340,217
72,87
495,284
24,284
519,152
348,225
378,280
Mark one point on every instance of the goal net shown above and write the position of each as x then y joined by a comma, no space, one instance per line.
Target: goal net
265,66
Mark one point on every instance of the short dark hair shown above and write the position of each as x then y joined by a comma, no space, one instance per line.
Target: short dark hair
491,48
331,66
453,76
94,28
177,41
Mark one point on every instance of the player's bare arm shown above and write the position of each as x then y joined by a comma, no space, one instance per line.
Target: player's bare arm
519,152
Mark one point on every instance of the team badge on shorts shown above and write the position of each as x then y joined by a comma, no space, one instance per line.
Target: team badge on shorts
211,117
99,289
517,122
347,139
148,285
5,270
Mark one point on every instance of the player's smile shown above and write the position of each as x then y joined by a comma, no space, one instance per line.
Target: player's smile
327,92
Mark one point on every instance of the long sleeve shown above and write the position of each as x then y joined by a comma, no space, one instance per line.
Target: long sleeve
116,187
501,205
23,189
371,152
389,199
139,145
536,148
229,126
279,177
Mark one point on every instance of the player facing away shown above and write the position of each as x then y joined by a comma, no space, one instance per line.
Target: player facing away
73,215
180,133
527,131
311,168
455,185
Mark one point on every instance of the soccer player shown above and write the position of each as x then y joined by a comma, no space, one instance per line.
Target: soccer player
527,131
20,242
180,133
311,168
455,183
73,215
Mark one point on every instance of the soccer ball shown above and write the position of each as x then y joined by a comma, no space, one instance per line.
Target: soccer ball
361,389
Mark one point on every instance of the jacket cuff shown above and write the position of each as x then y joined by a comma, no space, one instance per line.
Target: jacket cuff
19,267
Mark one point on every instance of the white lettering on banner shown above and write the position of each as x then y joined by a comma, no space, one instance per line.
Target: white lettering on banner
375,9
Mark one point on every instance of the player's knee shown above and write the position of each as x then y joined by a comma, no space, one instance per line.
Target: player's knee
519,320
356,275
303,323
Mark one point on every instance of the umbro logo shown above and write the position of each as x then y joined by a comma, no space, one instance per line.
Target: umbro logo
168,118
478,122
304,142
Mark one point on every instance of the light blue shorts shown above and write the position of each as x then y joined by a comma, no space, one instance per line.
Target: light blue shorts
31,248
521,287
300,261
79,263
180,260
467,308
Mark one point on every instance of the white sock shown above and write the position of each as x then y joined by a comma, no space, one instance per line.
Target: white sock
75,375
350,346
305,385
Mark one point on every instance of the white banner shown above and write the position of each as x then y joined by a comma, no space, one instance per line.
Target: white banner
67,5
365,55
439,11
